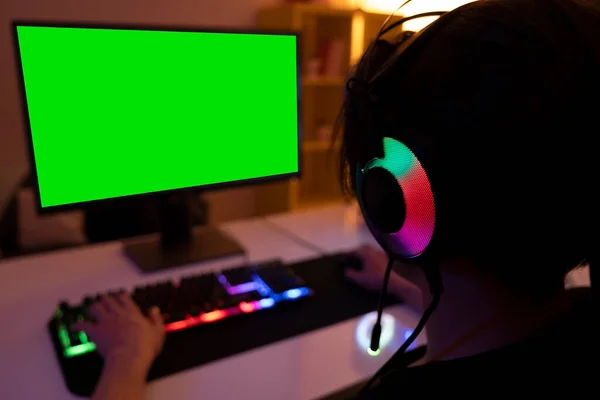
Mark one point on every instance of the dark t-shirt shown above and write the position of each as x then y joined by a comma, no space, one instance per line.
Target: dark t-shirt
563,359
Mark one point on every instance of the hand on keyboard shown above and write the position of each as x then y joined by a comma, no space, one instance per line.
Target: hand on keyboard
122,332
371,269
369,274
189,302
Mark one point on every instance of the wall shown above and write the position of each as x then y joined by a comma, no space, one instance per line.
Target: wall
228,204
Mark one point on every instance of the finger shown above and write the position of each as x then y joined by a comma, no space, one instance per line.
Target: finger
156,317
156,320
369,251
111,304
128,303
99,311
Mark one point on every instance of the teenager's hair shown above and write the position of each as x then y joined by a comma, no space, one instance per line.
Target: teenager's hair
501,106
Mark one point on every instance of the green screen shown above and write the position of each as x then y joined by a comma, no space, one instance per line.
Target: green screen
117,112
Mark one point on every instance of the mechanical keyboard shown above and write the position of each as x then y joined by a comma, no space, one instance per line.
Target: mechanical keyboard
191,301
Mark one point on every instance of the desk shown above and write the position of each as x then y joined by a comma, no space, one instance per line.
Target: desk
303,367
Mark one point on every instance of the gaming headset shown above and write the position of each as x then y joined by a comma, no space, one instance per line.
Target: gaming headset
394,192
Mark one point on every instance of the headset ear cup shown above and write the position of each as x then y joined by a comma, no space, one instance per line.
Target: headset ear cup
410,235
383,200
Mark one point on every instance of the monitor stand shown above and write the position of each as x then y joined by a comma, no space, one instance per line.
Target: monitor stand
179,243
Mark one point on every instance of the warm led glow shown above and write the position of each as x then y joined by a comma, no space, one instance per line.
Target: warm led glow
177,326
413,8
213,316
247,307
358,37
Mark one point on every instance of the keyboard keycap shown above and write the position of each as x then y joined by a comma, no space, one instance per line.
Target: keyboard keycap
197,299
248,297
195,311
280,279
175,317
74,338
239,276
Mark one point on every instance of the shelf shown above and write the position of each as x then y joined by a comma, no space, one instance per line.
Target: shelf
324,81
314,9
322,100
318,202
319,145
325,10
375,12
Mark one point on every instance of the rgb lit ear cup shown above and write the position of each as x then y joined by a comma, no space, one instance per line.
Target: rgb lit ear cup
396,200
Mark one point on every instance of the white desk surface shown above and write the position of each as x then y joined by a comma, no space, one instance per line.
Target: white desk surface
304,367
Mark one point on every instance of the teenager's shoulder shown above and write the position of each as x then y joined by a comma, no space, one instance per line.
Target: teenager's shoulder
562,358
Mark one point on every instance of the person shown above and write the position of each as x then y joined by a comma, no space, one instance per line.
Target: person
128,340
501,106
370,276
497,105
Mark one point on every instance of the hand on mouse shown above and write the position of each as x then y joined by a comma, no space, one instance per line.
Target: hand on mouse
123,334
374,263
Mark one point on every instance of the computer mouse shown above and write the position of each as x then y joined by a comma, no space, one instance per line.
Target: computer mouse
352,261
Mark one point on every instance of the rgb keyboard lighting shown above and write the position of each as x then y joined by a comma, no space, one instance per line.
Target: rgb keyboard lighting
269,300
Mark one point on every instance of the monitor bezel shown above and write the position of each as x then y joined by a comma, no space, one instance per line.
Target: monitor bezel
147,27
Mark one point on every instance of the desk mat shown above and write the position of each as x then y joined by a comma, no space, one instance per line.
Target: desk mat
334,300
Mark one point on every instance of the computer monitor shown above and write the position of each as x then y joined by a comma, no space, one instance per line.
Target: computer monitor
119,111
